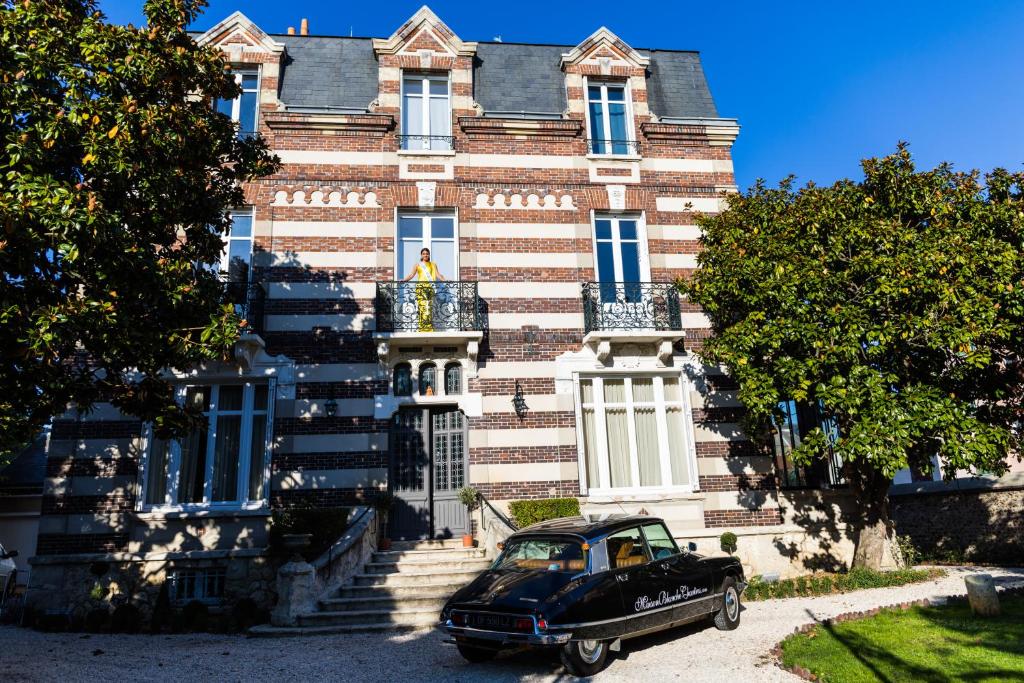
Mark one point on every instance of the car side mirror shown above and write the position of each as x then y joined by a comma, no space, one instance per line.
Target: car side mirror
7,556
691,546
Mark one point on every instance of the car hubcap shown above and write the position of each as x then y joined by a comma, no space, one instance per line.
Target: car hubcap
732,604
590,650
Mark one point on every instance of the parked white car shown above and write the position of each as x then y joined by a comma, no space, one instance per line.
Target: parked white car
8,573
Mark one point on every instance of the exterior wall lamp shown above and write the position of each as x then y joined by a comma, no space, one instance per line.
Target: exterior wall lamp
331,407
519,402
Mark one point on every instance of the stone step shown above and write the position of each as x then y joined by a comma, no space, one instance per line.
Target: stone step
417,578
427,555
428,544
433,566
403,617
400,591
268,631
424,600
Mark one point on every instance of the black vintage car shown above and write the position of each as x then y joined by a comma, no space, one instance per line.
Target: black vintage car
584,586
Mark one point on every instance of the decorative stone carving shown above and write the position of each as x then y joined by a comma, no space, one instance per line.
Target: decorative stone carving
426,59
533,201
296,592
426,192
617,197
665,351
603,351
351,200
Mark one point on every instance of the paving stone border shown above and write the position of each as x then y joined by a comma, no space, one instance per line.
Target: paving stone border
935,601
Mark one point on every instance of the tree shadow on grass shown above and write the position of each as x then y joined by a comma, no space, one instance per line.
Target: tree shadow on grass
887,667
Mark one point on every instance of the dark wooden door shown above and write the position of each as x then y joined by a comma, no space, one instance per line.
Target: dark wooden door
428,467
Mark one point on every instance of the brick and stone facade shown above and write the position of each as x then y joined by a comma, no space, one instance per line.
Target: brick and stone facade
518,178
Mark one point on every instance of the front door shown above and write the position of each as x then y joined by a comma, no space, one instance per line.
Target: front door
428,467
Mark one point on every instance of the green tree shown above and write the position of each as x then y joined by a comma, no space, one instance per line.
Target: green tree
116,180
894,302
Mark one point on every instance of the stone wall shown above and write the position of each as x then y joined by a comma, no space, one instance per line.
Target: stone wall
74,586
979,525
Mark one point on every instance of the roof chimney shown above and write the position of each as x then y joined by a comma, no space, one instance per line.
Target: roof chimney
291,30
304,27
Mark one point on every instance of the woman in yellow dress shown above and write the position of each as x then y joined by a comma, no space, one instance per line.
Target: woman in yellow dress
426,274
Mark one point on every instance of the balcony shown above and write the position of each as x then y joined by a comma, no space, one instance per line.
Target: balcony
248,299
427,307
631,313
613,147
426,143
626,306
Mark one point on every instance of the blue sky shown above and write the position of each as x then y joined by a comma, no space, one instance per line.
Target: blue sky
816,86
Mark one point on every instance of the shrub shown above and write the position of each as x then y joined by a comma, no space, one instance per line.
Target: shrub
126,619
823,584
729,542
907,554
195,616
527,512
468,496
246,613
162,614
325,525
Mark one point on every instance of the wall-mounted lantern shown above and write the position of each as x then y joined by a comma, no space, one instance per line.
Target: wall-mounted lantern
331,407
519,402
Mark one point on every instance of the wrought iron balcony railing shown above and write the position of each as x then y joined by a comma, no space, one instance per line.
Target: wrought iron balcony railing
623,147
427,306
248,299
439,143
612,306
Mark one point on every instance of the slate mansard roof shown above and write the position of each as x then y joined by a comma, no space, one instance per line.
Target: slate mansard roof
322,72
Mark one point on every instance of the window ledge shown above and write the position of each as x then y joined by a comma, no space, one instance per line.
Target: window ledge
614,157
426,152
639,496
177,512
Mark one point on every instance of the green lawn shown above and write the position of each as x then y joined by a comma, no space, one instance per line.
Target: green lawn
924,644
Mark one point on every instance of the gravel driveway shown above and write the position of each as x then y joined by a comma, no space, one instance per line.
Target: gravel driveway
691,653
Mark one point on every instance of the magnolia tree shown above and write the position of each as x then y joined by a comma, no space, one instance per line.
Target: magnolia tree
895,304
117,175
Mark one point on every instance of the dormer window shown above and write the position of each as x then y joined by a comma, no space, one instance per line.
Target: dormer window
426,113
243,109
611,131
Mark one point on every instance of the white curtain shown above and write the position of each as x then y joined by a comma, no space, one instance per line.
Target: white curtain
617,428
646,423
676,447
257,458
225,458
156,473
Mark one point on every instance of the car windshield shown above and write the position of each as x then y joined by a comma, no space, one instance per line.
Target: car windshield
542,554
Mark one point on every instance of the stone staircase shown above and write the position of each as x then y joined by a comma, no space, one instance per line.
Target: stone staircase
401,588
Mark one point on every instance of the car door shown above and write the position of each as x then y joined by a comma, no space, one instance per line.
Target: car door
683,581
629,559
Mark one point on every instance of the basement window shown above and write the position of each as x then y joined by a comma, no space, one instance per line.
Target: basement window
201,585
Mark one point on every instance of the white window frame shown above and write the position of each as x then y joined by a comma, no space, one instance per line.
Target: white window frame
236,104
425,79
604,487
607,132
171,503
230,237
616,241
427,239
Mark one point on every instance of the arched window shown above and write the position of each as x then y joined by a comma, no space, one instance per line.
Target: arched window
453,379
428,379
402,382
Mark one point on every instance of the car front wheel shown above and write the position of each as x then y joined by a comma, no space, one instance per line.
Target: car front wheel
584,657
728,617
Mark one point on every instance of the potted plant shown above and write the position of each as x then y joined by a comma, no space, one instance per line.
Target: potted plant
469,497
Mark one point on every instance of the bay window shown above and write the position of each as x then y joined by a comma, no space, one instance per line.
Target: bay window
635,434
224,461
243,109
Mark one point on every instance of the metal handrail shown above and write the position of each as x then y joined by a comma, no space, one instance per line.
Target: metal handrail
447,142
497,513
600,146
427,306
611,306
